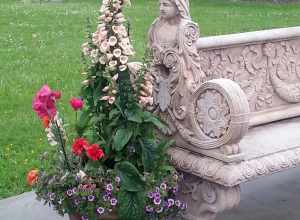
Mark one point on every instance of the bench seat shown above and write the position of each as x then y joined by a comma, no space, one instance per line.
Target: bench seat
267,149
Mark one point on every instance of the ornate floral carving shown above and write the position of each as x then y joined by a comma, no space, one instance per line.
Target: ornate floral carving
220,114
267,72
212,113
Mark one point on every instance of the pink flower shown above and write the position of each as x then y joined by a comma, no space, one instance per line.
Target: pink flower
44,102
76,103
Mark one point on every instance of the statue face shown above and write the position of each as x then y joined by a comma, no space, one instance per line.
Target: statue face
168,9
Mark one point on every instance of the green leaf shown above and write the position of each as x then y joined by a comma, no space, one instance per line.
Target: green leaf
148,153
113,113
131,205
83,122
121,138
149,117
134,115
131,179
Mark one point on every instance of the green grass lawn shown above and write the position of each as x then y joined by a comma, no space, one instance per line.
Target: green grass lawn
40,43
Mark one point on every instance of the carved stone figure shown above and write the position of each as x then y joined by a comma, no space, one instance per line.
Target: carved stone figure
199,116
176,68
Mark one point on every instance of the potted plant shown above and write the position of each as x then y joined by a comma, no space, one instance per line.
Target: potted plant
113,166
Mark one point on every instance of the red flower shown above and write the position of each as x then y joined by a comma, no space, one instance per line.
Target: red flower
76,103
94,152
44,102
79,145
32,177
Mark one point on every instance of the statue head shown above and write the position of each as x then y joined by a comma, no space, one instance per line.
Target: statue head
170,9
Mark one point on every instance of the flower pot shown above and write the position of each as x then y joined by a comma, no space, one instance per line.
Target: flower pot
112,216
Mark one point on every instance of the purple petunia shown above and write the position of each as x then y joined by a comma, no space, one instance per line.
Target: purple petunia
171,202
76,201
150,195
74,190
149,208
84,217
113,201
109,187
100,210
157,195
175,189
91,198
159,210
69,192
157,201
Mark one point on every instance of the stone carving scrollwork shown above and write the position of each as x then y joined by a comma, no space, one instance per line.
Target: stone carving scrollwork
280,62
206,199
268,72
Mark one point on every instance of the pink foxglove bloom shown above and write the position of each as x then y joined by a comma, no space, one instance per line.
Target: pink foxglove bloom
76,103
44,102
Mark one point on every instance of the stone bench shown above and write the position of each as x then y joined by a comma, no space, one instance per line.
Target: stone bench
231,103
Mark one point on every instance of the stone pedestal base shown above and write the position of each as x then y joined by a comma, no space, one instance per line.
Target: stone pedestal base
205,199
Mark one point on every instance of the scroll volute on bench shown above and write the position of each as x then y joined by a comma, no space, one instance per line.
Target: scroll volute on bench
219,114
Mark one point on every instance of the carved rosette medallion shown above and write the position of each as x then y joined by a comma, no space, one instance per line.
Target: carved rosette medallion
212,113
220,114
